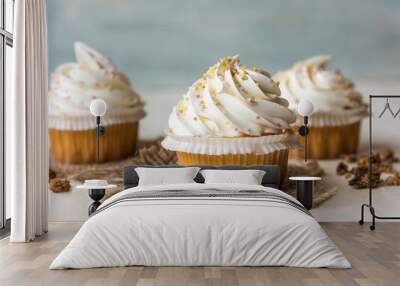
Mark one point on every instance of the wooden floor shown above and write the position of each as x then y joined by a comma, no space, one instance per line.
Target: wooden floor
375,257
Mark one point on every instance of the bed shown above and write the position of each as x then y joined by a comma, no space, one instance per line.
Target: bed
198,224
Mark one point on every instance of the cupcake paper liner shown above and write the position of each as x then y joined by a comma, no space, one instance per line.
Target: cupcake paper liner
345,117
79,123
279,158
330,142
237,145
78,147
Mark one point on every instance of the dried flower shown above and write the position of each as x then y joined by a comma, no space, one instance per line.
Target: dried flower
342,169
59,185
52,174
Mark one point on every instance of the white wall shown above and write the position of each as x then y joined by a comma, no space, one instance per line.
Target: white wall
9,67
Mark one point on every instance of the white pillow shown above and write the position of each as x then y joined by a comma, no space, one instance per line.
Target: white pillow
248,177
166,176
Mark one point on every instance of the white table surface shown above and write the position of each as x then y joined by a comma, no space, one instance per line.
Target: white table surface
305,178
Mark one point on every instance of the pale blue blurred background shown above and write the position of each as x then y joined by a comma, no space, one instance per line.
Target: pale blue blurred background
170,43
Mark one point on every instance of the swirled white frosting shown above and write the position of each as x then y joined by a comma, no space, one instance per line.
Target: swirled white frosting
328,89
75,85
231,100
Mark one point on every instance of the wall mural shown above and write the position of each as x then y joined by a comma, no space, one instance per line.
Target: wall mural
173,69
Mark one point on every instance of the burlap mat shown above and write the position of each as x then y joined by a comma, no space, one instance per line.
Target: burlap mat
152,153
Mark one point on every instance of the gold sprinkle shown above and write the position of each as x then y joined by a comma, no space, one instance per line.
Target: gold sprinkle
255,68
200,84
257,84
182,108
252,99
212,71
245,77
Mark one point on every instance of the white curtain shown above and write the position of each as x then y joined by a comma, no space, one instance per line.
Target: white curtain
26,123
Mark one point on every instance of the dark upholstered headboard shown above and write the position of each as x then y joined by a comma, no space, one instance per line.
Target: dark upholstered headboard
271,177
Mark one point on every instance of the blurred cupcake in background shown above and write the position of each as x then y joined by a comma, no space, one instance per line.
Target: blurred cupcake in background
233,115
71,125
338,108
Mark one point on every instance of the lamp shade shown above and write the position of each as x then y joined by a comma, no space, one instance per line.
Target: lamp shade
98,107
305,108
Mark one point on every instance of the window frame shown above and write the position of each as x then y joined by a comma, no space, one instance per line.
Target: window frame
6,39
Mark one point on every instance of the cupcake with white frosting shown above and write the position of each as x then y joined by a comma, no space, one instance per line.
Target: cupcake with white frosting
233,115
71,125
338,107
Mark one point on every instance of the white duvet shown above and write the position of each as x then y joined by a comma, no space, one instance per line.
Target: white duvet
200,231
